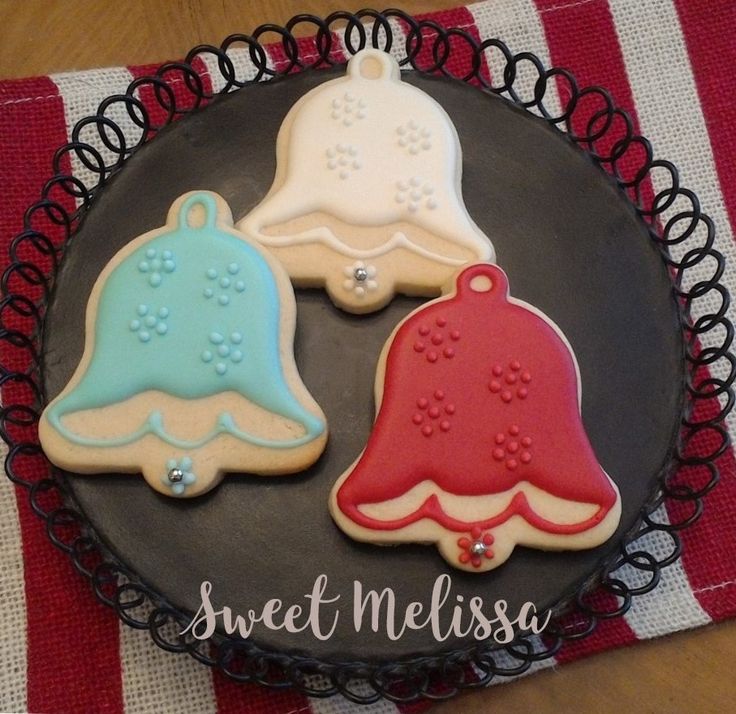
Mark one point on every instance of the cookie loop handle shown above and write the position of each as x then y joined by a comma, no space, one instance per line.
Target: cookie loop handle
372,65
209,206
483,280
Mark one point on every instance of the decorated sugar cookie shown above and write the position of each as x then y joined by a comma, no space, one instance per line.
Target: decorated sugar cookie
188,370
478,444
367,199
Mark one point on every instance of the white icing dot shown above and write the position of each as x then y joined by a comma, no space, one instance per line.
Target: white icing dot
357,164
343,160
371,271
344,174
349,97
426,145
335,115
348,109
413,136
331,153
413,207
347,121
360,291
413,149
415,195
402,141
431,203
428,189
332,164
412,124
372,285
401,131
400,198
425,132
336,103
352,151
415,181
347,271
348,284
360,114
403,186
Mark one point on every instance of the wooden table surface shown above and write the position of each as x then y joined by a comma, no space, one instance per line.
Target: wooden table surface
686,672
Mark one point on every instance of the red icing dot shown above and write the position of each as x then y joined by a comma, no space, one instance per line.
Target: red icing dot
427,430
513,447
464,542
476,532
522,393
433,412
431,356
498,454
450,408
439,395
437,339
515,365
455,335
419,346
511,464
445,425
500,438
448,352
464,557
475,560
488,554
441,321
417,418
526,377
510,379
488,539
422,402
498,370
514,430
495,386
506,396
525,457
424,330
526,441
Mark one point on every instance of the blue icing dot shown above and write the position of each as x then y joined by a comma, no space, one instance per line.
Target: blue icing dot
150,321
156,264
163,312
207,356
151,253
142,310
220,368
208,293
223,350
167,255
178,488
155,280
144,336
170,464
223,299
135,325
233,268
186,463
211,273
169,266
162,328
236,356
216,338
240,286
225,282
236,338
143,266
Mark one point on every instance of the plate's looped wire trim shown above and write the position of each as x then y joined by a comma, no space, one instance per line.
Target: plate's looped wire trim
590,119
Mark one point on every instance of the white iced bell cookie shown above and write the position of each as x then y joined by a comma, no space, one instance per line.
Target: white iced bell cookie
367,198
188,368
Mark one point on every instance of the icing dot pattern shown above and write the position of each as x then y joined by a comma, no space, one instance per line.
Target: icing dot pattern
512,448
343,159
415,193
433,413
155,264
414,138
221,283
348,109
510,381
360,278
223,351
149,323
436,340
476,547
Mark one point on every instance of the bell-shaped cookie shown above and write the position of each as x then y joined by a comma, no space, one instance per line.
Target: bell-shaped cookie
367,197
188,369
478,444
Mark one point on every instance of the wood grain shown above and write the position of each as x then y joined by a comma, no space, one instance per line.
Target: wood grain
687,672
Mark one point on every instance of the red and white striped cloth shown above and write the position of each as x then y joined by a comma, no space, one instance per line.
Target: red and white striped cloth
669,62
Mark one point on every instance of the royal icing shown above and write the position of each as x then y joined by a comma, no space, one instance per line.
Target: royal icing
179,318
482,392
368,169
